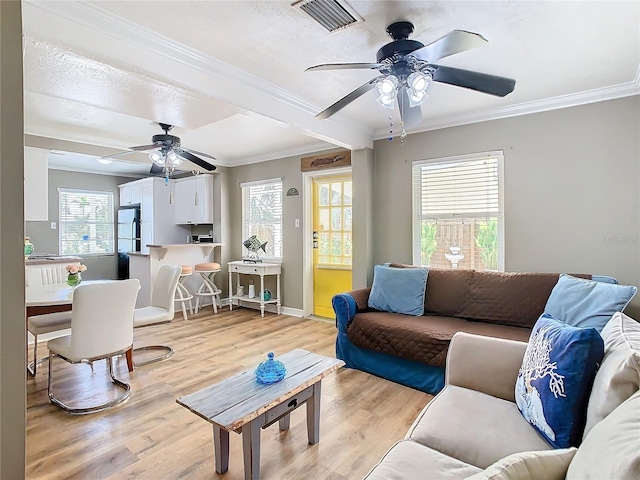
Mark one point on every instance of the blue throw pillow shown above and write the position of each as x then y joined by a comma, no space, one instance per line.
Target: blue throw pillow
587,303
555,379
398,290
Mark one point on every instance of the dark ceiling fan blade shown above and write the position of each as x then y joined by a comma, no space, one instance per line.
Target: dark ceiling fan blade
119,154
156,169
193,159
142,148
346,100
411,116
345,66
195,152
453,42
482,82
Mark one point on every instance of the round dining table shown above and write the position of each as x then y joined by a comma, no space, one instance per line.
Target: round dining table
58,297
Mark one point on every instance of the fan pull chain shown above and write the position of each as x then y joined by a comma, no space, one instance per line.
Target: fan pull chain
390,128
196,199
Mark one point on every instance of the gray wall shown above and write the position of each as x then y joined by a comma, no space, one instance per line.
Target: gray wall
45,239
572,196
13,394
289,170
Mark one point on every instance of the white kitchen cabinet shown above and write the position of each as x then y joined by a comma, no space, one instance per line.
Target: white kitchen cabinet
194,200
157,223
130,194
36,184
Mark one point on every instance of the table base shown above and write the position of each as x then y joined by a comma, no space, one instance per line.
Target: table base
251,431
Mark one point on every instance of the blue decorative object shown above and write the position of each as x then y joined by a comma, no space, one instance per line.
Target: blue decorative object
266,295
398,290
587,303
270,371
555,379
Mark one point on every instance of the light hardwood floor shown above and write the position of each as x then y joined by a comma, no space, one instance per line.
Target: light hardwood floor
151,436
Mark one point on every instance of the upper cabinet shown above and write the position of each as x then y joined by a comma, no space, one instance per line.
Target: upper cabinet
130,194
194,200
36,184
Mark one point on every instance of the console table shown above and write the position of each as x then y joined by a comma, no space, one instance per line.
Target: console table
260,268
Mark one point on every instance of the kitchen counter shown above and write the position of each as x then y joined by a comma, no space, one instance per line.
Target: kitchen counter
145,267
52,259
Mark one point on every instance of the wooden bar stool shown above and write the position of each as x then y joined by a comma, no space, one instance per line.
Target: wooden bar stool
208,288
182,293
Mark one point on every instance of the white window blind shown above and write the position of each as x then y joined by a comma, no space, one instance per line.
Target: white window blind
262,214
86,222
458,212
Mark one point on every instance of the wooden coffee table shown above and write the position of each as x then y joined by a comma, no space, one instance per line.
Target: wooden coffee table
241,404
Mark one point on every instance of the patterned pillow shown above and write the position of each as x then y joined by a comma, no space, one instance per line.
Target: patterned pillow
555,379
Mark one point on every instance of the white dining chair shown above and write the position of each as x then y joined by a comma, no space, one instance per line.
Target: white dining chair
41,324
101,328
161,310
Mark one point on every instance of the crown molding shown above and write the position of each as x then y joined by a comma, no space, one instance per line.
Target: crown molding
554,103
225,82
289,152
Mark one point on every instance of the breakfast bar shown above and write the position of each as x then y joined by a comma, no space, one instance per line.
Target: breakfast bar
145,266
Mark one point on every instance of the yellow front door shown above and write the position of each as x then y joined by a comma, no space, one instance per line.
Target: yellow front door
332,248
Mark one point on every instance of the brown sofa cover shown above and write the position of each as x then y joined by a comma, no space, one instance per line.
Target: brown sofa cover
494,304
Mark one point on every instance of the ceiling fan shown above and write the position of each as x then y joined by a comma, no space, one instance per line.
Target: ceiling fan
168,153
407,72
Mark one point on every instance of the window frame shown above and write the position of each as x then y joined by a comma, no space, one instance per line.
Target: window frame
111,223
245,224
416,203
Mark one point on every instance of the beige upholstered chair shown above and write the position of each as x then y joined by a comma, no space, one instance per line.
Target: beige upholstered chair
161,310
101,328
41,324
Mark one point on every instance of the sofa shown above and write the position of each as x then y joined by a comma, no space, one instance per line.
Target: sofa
412,350
473,428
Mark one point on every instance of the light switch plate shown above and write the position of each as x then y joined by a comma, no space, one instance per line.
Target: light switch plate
297,223
54,225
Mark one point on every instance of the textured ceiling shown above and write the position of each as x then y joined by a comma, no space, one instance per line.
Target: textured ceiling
230,75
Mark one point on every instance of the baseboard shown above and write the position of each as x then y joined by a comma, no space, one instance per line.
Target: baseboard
294,312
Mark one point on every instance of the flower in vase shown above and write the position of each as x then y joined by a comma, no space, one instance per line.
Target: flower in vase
73,269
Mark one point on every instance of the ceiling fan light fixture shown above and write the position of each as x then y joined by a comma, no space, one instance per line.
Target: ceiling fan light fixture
387,89
173,158
418,87
158,158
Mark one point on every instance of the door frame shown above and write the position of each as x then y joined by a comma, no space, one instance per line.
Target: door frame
307,232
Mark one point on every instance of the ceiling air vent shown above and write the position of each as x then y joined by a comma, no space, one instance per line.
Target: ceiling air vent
331,14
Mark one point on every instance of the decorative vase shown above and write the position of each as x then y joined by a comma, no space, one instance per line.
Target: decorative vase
270,371
74,279
28,248
266,295
252,291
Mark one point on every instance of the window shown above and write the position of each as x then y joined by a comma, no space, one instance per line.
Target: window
86,222
262,214
458,212
333,222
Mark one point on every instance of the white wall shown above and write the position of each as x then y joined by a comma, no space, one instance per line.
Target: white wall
572,190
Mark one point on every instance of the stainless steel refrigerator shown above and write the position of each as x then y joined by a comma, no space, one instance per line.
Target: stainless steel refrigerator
128,237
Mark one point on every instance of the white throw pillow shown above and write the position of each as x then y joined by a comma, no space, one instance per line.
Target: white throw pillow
619,375
547,464
612,448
